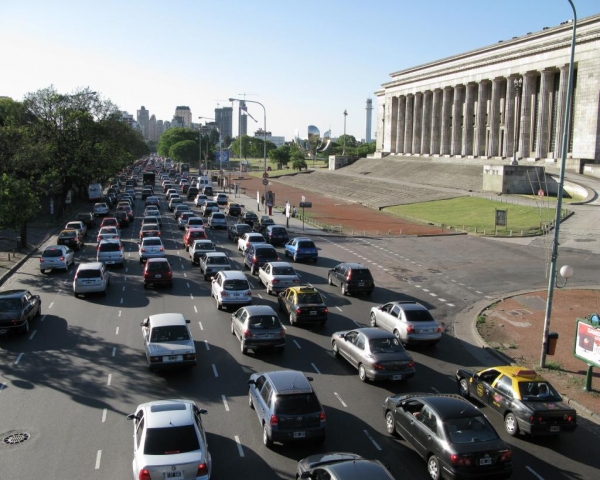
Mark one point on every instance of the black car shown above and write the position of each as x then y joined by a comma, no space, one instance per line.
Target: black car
276,235
17,309
262,224
208,191
235,231
249,218
454,438
71,238
303,304
233,209
87,218
192,192
341,466
352,278
123,218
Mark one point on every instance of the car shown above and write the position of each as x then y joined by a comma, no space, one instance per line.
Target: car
352,278
287,406
527,402
151,211
213,262
191,235
262,224
192,192
110,252
87,218
152,200
123,219
303,304
194,222
110,222
183,219
91,277
18,308
257,254
179,209
276,235
56,257
128,210
277,276
70,238
170,192
158,271
77,225
341,466
200,199
209,207
174,202
150,230
169,441
375,353
100,209
108,233
151,247
235,231
199,248
217,220
410,321
247,238
221,199
168,342
455,439
146,193
166,186
233,209
230,287
258,327
248,218
301,248
152,219
208,191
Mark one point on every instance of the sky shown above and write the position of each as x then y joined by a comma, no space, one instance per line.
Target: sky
306,62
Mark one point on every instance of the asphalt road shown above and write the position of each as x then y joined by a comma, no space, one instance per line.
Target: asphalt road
72,380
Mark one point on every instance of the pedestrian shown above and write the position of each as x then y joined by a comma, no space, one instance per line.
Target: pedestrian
294,211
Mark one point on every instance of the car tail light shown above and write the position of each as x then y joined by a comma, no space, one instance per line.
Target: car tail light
224,294
156,359
570,418
298,310
248,293
162,249
144,475
506,455
248,334
274,281
325,310
189,356
322,416
349,277
410,364
62,259
274,420
254,260
438,329
202,469
378,366
460,460
296,281
410,329
281,333
41,260
143,249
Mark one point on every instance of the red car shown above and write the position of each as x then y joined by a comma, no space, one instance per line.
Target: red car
158,271
191,235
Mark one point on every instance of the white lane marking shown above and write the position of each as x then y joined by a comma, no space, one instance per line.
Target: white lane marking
183,267
185,275
260,296
188,284
98,458
214,367
534,472
372,440
121,302
43,318
418,286
119,313
125,277
462,284
442,299
32,334
340,399
191,296
123,287
195,309
225,403
104,415
450,304
19,357
239,445
109,379
425,290
206,344
297,344
316,369
117,331
489,296
339,309
127,268
51,304
477,291
453,281
114,351
432,294
201,327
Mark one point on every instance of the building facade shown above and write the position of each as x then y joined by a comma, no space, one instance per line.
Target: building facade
143,118
185,114
494,100
242,119
224,118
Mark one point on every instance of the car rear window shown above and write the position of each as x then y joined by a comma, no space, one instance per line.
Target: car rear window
306,245
306,298
243,228
171,440
279,231
219,216
217,261
152,242
361,274
88,274
385,345
264,322
283,271
159,267
469,430
417,315
68,235
267,253
52,253
109,247
297,404
10,304
170,333
236,285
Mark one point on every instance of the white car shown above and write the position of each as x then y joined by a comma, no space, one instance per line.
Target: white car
77,225
277,276
91,277
168,341
151,247
108,233
198,248
200,199
247,238
100,209
231,287
56,256
169,441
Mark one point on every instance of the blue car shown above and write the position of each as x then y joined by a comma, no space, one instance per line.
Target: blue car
301,248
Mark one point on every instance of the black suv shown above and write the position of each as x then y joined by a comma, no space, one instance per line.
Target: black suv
257,254
248,218
262,224
208,191
352,278
87,218
192,192
287,407
276,235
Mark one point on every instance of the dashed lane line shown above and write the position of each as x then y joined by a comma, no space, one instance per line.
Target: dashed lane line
214,367
104,411
239,446
340,399
19,357
316,369
98,458
225,404
372,440
297,344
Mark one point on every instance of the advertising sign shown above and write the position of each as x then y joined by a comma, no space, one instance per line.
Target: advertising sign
587,342
224,158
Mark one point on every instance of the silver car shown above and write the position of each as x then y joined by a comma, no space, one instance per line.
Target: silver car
56,256
377,355
168,341
277,276
258,326
91,277
213,262
409,321
217,220
151,247
110,252
169,441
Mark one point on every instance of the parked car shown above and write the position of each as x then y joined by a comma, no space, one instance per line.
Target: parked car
18,308
191,235
301,248
341,466
248,218
100,209
199,248
303,304
151,247
287,406
257,254
110,252
91,277
248,238
213,262
217,220
70,238
450,434
276,235
231,287
277,276
352,278
235,231
526,400
77,225
233,209
87,218
158,271
168,341
409,321
376,354
257,327
56,257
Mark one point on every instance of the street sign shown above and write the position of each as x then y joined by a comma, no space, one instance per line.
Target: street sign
305,204
265,181
265,175
303,199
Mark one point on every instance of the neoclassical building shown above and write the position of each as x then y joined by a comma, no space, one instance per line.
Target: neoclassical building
470,105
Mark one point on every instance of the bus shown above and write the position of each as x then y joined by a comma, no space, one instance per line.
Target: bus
94,192
184,167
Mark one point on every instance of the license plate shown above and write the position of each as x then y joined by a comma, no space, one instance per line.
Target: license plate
109,262
426,330
396,377
158,276
173,474
313,312
299,434
89,283
361,284
555,429
173,358
266,335
485,461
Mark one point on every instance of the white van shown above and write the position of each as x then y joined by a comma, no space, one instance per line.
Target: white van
94,191
203,182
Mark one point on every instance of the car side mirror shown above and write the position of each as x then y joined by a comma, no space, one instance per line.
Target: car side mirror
251,382
305,475
188,321
131,416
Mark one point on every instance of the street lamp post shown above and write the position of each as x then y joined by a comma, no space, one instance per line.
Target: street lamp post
205,118
518,83
554,256
344,150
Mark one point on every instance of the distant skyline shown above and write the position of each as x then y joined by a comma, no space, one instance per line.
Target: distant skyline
305,62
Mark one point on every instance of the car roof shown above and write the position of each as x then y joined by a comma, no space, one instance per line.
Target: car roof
12,293
260,310
280,264
68,230
408,305
372,333
157,260
110,240
167,319
90,266
55,247
167,413
196,229
359,469
522,374
289,382
233,275
353,265
216,254
446,405
303,288
202,240
151,238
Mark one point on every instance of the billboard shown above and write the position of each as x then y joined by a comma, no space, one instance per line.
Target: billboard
587,342
223,159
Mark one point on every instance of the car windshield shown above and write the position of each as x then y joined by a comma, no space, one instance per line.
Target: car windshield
52,253
236,285
469,430
418,316
7,304
283,271
385,345
217,261
170,333
263,322
305,298
538,392
171,440
297,404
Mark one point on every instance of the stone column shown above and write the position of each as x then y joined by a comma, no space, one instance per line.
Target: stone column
417,119
544,114
468,120
387,125
480,119
408,124
394,126
446,120
426,129
436,122
400,123
509,126
457,120
494,119
526,110
561,109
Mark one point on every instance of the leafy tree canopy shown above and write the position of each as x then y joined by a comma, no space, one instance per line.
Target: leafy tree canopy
173,136
185,151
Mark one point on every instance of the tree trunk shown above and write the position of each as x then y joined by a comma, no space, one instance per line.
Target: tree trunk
24,235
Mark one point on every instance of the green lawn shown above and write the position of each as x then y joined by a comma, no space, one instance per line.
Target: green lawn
473,212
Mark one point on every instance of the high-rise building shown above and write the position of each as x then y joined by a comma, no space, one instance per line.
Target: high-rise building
242,119
369,114
143,118
152,128
160,129
129,120
224,118
186,115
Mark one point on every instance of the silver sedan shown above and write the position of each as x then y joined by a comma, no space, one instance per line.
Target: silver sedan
277,276
378,355
409,321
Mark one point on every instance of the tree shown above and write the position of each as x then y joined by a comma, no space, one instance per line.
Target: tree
18,204
350,141
297,159
280,155
185,151
173,136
